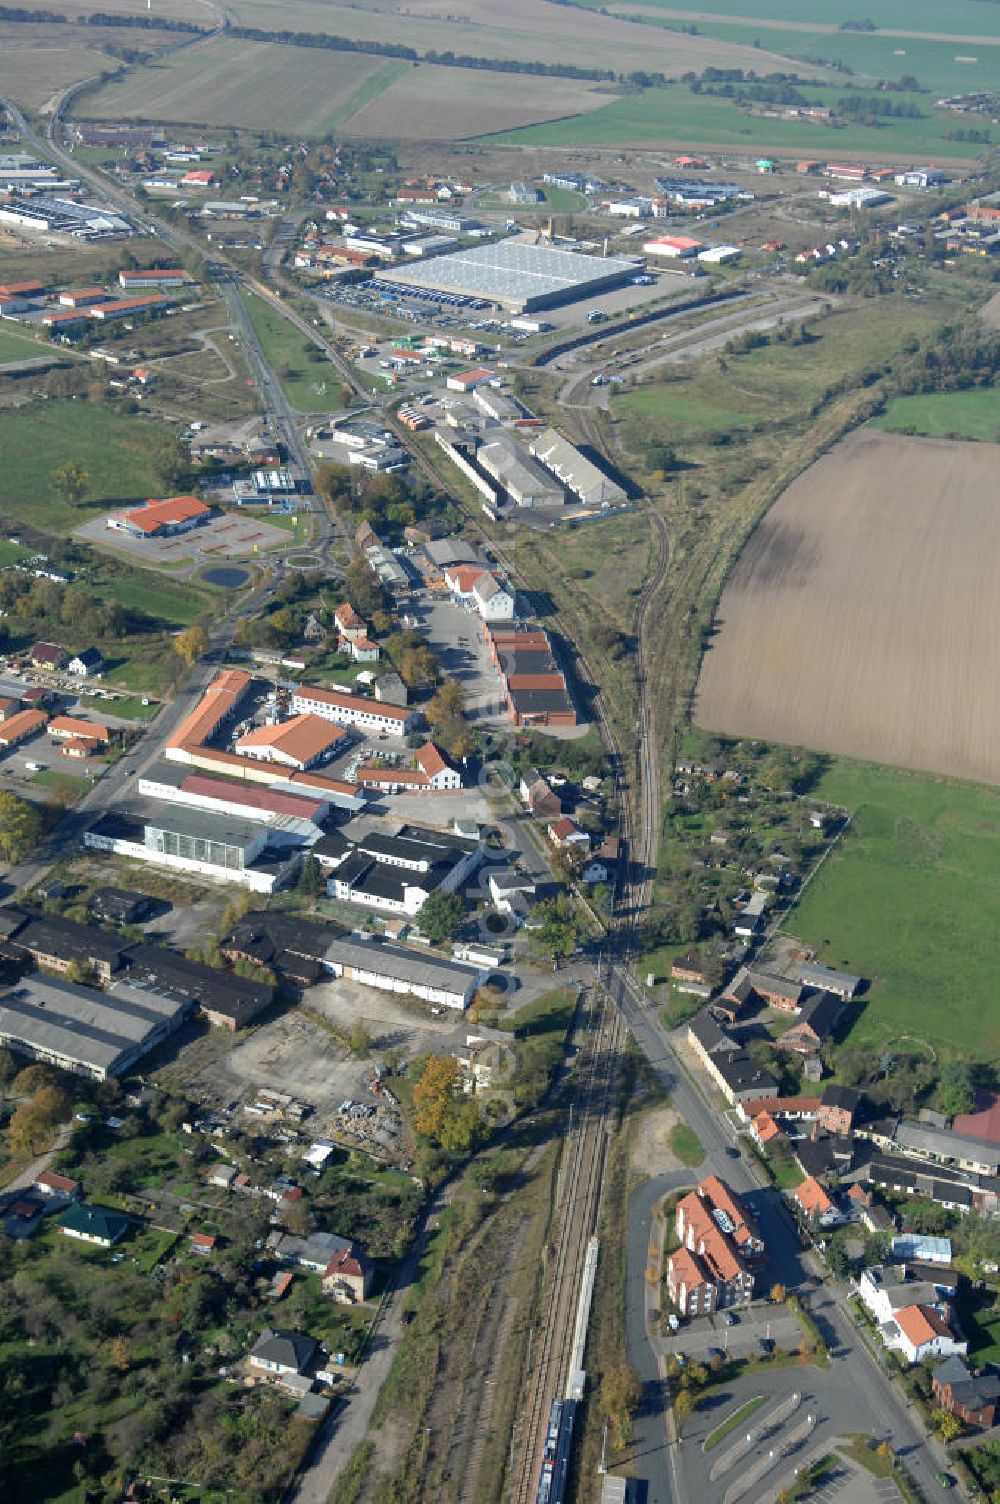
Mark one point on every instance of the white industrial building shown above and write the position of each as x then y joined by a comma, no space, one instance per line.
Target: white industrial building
352,710
223,848
397,873
392,969
860,198
578,474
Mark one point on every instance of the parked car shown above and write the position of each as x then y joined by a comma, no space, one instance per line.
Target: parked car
731,1318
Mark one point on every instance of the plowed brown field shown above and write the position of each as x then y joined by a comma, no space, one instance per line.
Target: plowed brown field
863,616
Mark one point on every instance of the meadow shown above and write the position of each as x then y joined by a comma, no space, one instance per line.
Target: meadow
909,901
17,346
112,447
964,415
673,115
951,17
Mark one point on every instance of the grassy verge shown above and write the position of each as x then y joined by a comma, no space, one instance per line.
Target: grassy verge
686,1145
738,1416
311,384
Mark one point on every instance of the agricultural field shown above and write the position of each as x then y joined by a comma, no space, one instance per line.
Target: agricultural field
974,414
453,103
229,82
521,29
265,85
198,12
959,18
38,63
909,900
862,616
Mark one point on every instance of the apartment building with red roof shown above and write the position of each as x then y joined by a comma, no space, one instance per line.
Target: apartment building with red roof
713,1268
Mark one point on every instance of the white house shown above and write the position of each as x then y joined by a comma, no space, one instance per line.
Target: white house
923,1331
88,663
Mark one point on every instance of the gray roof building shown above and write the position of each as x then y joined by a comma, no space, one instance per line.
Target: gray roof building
508,463
97,1034
283,1352
515,275
840,983
578,474
393,969
948,1147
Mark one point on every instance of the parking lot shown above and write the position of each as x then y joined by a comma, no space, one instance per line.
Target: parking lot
751,1331
228,536
455,636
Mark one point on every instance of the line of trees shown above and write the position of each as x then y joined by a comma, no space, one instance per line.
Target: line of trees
43,17
446,59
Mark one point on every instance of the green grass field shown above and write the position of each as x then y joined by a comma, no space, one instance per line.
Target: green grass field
909,901
311,386
112,447
686,1145
674,115
12,553
964,415
954,17
171,602
17,346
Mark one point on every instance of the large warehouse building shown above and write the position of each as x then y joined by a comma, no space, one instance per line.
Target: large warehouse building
97,1034
517,276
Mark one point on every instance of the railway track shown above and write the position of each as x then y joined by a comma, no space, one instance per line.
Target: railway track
577,1204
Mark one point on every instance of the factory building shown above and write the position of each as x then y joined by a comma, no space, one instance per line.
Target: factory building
95,1034
577,473
506,460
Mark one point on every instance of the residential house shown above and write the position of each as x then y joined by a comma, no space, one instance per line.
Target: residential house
87,664
348,1276
49,1183
539,798
711,1270
818,1018
737,1075
884,1290
919,1332
203,1243
974,1398
282,1353
93,1224
363,650
764,1130
47,655
567,835
815,1205
506,885
349,623
313,1252
838,1108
